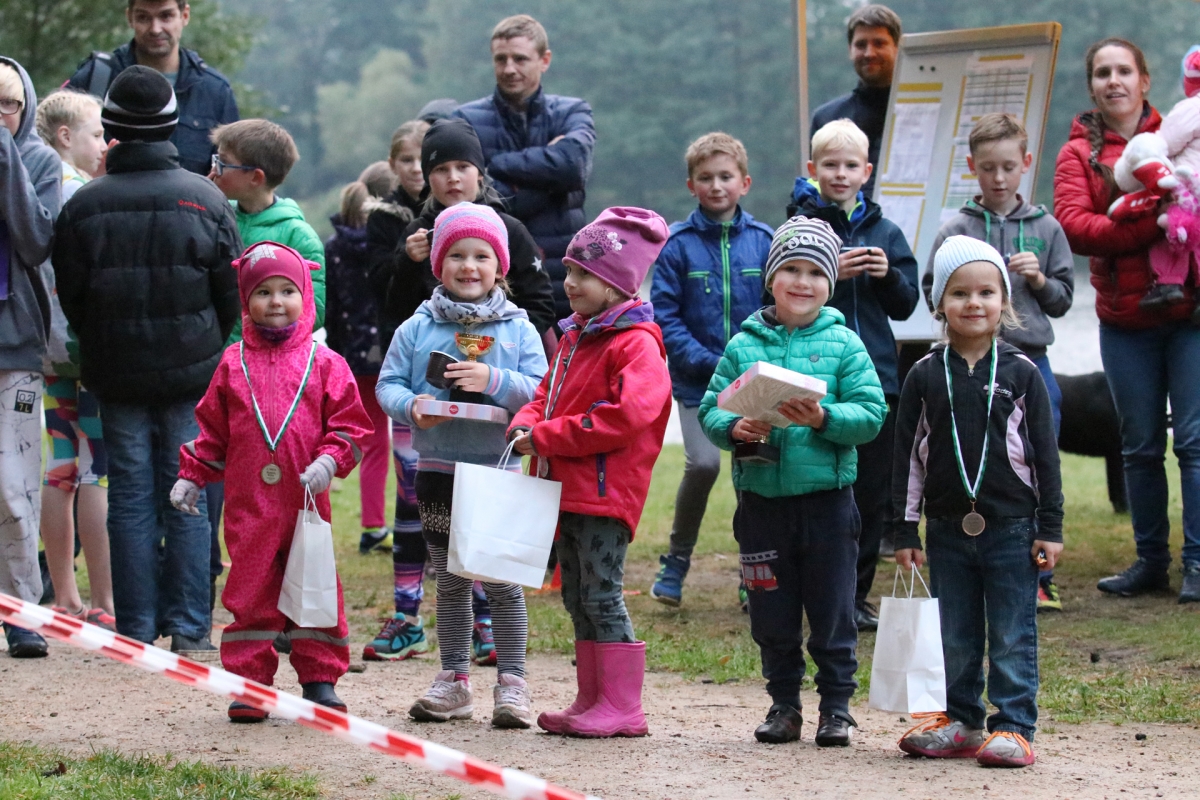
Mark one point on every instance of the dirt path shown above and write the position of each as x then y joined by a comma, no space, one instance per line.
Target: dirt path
701,744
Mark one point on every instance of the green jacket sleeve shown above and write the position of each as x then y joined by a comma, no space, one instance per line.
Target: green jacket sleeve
305,241
715,422
858,414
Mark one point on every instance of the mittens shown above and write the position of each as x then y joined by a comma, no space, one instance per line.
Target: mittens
319,474
185,495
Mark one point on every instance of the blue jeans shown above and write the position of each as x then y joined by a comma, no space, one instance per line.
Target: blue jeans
1043,365
1144,369
160,556
987,591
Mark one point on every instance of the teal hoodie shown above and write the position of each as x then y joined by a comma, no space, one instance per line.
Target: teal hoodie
810,460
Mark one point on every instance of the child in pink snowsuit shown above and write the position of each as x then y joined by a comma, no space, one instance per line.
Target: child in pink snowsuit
278,385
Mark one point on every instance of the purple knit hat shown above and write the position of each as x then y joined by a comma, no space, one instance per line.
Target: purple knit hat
619,247
468,221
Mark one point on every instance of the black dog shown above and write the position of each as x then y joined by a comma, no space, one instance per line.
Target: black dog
1090,428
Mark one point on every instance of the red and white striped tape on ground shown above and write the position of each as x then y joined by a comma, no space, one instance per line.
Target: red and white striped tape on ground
507,782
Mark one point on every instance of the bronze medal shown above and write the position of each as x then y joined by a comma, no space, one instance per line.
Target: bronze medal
272,474
973,524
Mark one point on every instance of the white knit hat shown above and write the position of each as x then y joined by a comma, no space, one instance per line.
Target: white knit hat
959,250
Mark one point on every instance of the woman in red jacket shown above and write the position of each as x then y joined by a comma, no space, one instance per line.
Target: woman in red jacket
1149,355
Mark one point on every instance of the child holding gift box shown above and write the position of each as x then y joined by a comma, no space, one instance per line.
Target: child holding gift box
281,416
597,425
469,255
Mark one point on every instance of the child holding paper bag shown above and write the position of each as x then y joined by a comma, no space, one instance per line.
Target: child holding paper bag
796,523
281,416
597,425
976,453
470,257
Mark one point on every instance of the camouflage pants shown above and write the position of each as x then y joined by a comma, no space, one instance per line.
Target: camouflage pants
591,551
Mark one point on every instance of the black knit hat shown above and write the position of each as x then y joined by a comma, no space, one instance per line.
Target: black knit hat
450,140
140,106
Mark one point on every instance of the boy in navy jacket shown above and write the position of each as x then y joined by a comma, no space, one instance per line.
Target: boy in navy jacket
707,281
877,282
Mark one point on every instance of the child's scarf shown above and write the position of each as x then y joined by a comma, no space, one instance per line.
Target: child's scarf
447,309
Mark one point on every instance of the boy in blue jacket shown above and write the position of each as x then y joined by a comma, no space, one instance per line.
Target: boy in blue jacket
877,282
707,281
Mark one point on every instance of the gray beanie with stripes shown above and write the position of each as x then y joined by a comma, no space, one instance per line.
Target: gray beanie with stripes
808,239
959,250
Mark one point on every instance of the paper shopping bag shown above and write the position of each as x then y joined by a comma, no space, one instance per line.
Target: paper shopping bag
502,524
908,673
309,596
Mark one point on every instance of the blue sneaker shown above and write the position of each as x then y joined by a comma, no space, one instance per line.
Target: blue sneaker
402,637
668,586
24,643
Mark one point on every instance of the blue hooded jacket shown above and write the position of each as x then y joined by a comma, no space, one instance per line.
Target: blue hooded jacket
707,282
868,303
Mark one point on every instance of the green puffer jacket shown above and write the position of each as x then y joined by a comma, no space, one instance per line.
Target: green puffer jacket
810,460
283,222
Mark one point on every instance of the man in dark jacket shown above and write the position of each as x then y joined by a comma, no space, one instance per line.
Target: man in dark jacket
538,146
874,35
142,260
204,95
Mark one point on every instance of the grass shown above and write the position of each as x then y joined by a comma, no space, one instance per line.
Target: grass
32,773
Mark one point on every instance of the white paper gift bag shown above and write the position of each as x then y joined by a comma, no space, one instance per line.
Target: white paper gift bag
502,524
309,596
908,673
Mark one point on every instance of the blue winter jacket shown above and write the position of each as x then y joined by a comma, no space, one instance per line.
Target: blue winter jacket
542,185
868,303
518,362
204,96
707,282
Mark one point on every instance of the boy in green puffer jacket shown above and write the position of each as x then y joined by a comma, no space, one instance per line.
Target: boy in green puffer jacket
796,523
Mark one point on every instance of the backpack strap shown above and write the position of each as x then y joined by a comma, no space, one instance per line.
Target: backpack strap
102,73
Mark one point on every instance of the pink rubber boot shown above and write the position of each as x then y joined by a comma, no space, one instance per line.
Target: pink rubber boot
585,677
620,668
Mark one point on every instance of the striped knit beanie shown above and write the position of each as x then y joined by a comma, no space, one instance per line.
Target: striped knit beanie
959,250
468,221
140,106
808,239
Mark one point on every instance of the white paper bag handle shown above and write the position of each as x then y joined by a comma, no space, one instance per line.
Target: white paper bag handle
508,451
909,586
310,502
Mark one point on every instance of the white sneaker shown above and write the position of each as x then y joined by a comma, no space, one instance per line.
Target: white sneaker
942,737
511,695
446,699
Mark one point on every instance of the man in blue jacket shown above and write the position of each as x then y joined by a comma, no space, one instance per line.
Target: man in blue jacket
538,146
204,95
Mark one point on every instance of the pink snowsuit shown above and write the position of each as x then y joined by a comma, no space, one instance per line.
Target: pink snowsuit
260,518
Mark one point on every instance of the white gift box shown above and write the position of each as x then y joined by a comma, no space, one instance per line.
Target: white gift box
476,411
759,391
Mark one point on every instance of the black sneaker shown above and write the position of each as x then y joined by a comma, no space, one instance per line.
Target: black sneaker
323,695
1191,584
182,645
866,616
24,643
834,730
376,539
1140,578
782,725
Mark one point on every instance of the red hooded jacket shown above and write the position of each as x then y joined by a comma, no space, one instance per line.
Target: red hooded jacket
1119,251
599,416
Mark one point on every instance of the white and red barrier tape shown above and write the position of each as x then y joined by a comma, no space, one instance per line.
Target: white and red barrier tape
503,781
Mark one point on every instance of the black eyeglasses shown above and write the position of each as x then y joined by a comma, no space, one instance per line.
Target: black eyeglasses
219,166
10,107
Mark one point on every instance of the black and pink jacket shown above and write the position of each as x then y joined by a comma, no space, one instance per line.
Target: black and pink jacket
1022,477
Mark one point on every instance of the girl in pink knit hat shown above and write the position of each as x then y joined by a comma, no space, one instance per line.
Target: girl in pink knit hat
597,425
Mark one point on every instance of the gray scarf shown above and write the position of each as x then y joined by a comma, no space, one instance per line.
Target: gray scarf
446,309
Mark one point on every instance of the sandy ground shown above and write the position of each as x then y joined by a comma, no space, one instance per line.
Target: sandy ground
700,744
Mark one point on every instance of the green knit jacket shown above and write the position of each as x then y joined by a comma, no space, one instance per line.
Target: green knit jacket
810,460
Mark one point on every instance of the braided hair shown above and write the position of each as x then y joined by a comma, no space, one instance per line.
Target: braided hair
1093,121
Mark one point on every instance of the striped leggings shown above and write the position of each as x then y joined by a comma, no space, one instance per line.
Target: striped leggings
510,623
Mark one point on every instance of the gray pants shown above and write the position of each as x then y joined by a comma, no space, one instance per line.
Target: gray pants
701,466
591,551
20,483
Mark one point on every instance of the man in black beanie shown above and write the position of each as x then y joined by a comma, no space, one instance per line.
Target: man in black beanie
142,262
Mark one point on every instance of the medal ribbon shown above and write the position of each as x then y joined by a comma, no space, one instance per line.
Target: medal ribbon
972,490
272,443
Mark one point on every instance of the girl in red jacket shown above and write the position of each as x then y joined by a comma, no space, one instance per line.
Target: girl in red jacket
280,416
596,424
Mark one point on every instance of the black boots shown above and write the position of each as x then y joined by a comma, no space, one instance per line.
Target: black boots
834,730
782,725
1141,578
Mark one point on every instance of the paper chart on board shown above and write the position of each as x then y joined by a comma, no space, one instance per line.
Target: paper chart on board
914,134
904,207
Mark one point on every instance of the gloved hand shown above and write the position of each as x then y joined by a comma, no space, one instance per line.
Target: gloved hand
185,495
319,474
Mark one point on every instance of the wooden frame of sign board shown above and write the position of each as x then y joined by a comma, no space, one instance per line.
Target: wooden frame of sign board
943,82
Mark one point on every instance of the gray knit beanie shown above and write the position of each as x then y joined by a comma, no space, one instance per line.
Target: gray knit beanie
959,250
804,238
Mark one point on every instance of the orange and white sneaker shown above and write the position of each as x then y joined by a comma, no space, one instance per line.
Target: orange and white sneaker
938,736
1005,749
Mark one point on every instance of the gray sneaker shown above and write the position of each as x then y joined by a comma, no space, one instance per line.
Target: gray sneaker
511,695
446,699
1005,749
941,737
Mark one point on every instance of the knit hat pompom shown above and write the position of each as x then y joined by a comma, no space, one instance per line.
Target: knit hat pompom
140,106
270,260
957,251
619,247
468,221
451,140
1191,71
808,239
